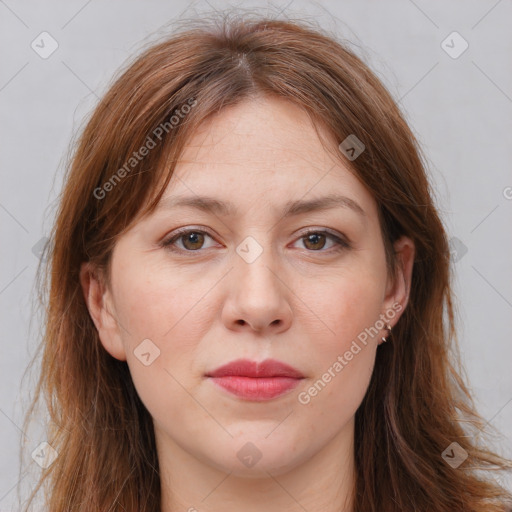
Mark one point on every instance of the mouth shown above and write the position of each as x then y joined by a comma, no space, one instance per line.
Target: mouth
255,381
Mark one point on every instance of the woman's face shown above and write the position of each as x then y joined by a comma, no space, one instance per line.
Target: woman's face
247,282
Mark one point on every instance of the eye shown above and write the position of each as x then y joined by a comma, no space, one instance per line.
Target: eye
316,241
192,240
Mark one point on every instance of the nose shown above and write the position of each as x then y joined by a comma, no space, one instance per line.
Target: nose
257,298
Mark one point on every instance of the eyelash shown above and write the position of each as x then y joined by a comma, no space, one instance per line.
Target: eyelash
341,243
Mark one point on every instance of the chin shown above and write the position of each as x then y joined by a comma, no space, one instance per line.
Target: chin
257,458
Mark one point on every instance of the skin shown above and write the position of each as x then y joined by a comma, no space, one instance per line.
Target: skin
298,302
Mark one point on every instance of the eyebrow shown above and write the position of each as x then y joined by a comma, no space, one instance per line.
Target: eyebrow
291,208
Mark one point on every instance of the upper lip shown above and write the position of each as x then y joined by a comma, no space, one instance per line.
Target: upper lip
247,368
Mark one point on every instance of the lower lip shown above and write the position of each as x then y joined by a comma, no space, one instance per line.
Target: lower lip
256,389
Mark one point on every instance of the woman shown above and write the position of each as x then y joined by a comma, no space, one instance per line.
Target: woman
249,294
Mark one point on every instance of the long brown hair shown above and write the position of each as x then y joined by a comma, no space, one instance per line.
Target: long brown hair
417,403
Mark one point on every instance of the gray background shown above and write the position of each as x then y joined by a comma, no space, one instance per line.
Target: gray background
460,108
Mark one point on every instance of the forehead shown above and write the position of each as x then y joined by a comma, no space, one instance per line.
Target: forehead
264,131
263,151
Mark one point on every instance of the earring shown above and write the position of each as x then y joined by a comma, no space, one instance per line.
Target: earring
384,339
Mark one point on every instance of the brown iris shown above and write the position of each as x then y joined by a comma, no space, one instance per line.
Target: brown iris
314,239
196,239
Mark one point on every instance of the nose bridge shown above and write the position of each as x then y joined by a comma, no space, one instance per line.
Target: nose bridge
257,295
255,261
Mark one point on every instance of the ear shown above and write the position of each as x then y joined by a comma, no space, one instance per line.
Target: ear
101,308
398,288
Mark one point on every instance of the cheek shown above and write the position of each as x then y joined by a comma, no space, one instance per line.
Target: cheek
348,308
170,309
165,305
343,365
344,354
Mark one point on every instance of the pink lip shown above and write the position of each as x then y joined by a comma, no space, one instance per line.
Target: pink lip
256,381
